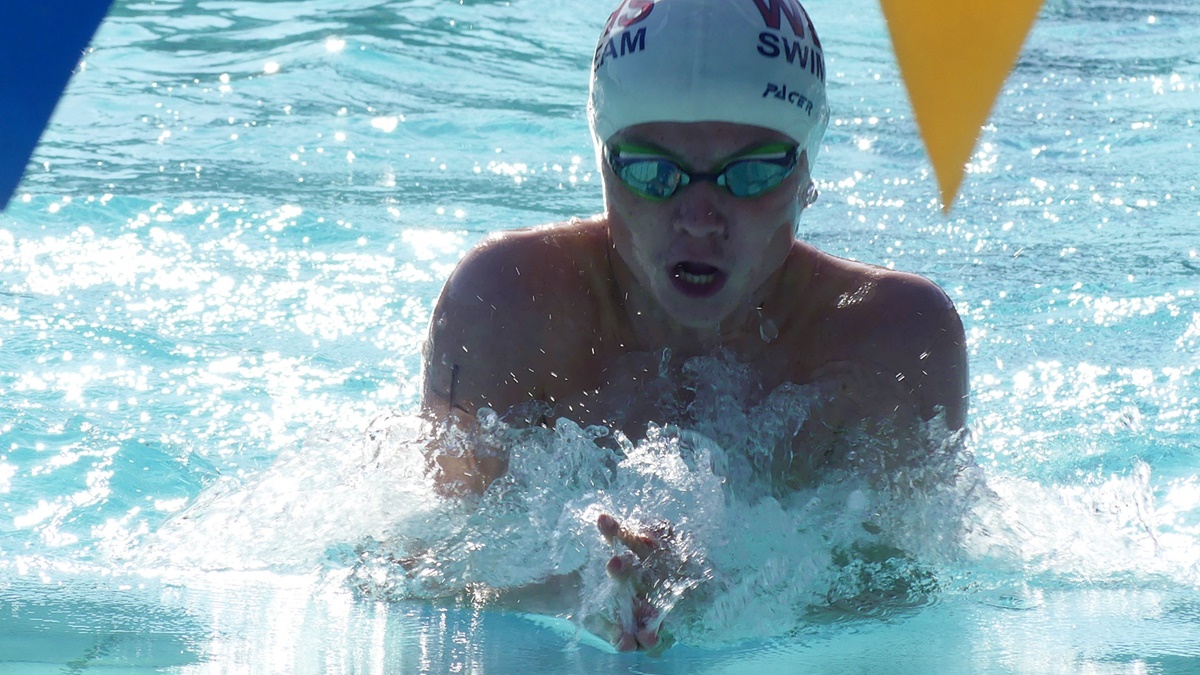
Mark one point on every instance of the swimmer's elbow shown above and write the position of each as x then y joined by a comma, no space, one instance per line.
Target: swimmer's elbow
461,460
467,473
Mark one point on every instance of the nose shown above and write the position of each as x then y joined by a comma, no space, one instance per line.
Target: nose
699,213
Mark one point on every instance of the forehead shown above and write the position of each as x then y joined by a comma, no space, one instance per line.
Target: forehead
700,141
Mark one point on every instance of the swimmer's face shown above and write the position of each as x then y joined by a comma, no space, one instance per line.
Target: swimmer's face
702,253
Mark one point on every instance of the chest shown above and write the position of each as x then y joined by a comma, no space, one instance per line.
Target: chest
628,389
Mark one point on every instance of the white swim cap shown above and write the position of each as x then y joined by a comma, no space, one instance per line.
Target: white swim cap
756,62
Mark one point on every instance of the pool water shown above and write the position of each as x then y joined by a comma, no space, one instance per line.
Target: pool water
216,277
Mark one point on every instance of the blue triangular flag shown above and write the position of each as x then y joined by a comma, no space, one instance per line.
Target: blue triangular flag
41,42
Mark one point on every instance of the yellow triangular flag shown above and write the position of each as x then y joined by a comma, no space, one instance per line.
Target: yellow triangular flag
954,56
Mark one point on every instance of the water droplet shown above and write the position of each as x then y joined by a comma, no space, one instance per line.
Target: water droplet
768,331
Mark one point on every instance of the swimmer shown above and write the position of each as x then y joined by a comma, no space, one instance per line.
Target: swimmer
707,118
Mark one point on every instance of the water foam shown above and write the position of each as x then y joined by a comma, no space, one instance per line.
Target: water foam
746,559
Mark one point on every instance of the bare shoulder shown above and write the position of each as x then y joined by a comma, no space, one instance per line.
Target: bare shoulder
505,265
902,324
509,314
862,297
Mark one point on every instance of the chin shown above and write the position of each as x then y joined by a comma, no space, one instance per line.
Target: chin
699,314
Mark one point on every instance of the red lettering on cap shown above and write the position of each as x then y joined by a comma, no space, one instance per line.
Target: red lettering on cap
629,13
773,12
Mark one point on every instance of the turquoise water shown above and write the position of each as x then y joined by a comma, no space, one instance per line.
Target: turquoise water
217,273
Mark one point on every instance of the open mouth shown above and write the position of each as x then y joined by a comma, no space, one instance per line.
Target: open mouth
697,280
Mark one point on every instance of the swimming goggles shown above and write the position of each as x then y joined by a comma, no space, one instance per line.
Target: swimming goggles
651,175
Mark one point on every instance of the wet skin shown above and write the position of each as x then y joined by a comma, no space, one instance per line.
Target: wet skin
576,315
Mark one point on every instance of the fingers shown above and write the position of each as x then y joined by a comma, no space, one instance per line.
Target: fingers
608,526
642,544
644,638
638,629
647,619
621,566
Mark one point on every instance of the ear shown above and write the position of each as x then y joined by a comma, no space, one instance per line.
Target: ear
807,189
809,193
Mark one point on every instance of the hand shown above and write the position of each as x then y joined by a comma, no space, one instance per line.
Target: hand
635,573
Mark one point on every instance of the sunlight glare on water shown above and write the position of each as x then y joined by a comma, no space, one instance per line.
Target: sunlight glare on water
217,275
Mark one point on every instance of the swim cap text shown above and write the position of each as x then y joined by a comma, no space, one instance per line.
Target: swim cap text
780,91
616,47
773,46
629,13
773,11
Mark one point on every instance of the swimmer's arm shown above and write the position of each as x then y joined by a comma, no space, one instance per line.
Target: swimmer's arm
928,349
476,356
904,357
902,361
